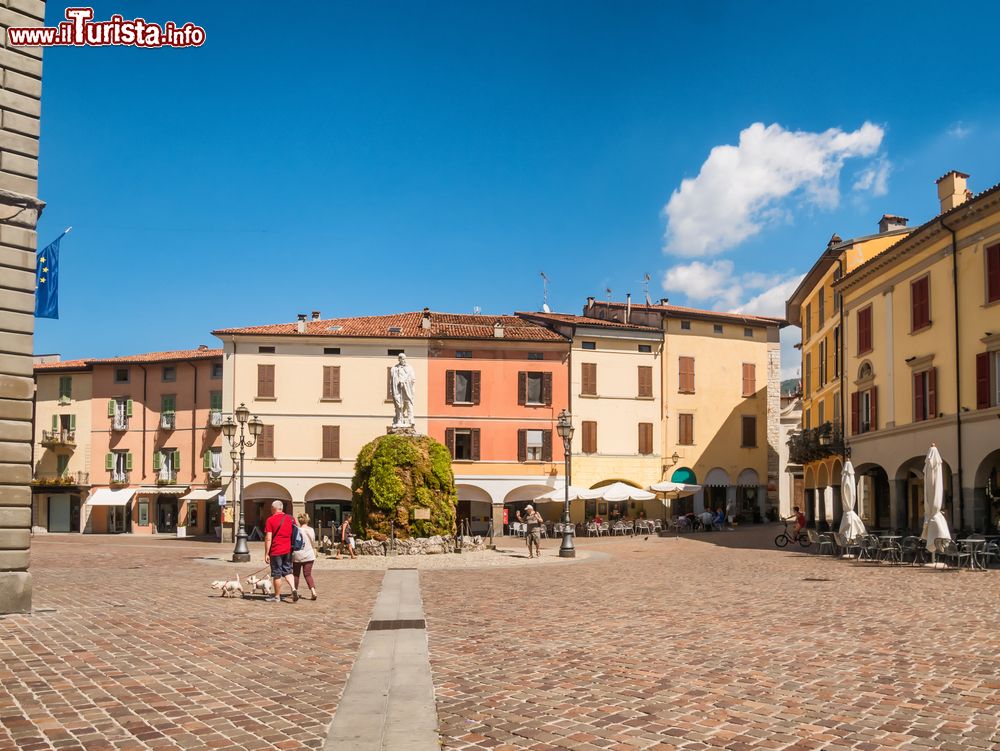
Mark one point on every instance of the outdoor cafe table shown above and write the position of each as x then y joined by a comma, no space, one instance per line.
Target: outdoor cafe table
975,546
890,539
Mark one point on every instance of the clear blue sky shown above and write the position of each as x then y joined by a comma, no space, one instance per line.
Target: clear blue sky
372,157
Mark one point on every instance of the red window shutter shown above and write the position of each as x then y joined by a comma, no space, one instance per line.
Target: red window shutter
919,303
522,388
864,330
873,410
546,445
476,391
522,445
547,389
856,412
983,379
932,393
475,444
449,387
993,273
918,397
449,441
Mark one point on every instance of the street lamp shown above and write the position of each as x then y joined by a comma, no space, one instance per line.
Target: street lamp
564,427
243,422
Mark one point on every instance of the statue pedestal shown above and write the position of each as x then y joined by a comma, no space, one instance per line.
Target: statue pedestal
401,430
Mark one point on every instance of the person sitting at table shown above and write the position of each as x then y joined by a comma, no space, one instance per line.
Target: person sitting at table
720,519
707,519
598,519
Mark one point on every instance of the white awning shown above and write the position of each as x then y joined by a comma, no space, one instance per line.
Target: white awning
108,497
201,495
162,490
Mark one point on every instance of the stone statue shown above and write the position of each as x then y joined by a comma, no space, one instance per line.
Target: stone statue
403,381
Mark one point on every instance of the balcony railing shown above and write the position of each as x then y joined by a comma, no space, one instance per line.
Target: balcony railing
214,480
119,478
813,444
65,479
54,438
119,423
166,477
168,421
215,419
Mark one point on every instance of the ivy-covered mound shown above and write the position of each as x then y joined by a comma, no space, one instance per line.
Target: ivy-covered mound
394,475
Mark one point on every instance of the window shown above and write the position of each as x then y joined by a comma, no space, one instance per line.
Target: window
534,445
809,371
821,310
645,382
215,401
211,462
865,330
462,387
331,350
920,306
685,375
836,352
717,328
463,443
534,389
588,378
836,408
808,322
589,444
119,463
464,354
925,395
806,415
645,438
646,348
993,273
119,410
62,464
331,441
822,364
987,380
65,389
143,507
166,463
863,411
821,413
169,373
168,404
265,443
536,355
749,432
265,381
748,332
685,429
331,382
589,345
685,325
395,352
121,375
749,379
216,370
265,350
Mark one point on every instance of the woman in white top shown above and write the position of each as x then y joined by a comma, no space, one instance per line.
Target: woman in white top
302,560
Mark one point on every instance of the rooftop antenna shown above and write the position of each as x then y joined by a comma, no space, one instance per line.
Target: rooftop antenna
545,293
645,288
607,291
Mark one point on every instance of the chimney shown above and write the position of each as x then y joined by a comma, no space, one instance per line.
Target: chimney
498,329
202,347
664,300
951,190
425,319
590,303
315,315
834,240
302,323
889,222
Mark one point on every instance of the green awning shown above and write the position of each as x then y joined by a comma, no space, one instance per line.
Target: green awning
685,475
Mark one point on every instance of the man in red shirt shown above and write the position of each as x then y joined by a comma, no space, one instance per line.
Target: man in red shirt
278,550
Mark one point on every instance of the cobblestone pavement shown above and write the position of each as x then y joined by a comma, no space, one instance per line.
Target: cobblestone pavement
699,643
137,653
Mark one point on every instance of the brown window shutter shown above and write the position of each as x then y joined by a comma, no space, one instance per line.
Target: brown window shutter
546,445
749,431
522,388
265,443
588,373
873,411
331,441
449,387
475,444
522,445
547,389
589,437
855,412
265,381
749,379
983,379
686,375
918,397
993,273
685,430
645,438
476,386
932,393
645,380
449,441
331,381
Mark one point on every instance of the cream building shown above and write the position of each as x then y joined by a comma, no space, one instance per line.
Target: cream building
922,362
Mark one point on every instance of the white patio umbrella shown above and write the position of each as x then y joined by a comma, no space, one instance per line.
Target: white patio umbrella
559,495
619,491
935,525
851,525
671,490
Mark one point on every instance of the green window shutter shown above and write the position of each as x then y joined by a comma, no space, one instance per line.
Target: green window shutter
109,461
206,462
111,408
216,403
72,422
55,423
128,462
156,461
128,408
65,387
177,459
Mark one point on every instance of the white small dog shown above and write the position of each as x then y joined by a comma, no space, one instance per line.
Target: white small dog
264,586
229,586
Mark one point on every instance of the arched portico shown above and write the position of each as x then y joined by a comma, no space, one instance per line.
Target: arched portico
326,504
474,507
257,499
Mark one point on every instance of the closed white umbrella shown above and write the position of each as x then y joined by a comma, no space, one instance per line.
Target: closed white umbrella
559,495
935,525
619,491
851,525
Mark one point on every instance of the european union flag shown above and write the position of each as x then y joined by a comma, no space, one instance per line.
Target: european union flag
47,280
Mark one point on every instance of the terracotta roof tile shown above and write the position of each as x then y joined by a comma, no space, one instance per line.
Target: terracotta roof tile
585,321
697,312
62,365
180,354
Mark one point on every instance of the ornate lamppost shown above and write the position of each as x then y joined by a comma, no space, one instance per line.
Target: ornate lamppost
243,421
564,427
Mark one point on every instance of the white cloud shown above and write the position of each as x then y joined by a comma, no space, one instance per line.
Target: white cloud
791,358
874,177
771,302
739,189
958,130
717,285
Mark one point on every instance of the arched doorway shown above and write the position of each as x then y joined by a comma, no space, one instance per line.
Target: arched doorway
748,495
873,496
326,505
824,501
716,493
809,480
987,494
910,475
519,497
475,508
257,500
681,506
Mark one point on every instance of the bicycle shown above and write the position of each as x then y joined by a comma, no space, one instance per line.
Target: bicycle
785,537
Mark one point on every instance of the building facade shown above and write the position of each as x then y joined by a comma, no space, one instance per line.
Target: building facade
922,355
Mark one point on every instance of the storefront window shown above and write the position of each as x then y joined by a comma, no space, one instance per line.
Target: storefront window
143,513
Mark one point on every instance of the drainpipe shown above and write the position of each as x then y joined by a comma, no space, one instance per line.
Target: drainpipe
958,371
194,414
145,375
841,360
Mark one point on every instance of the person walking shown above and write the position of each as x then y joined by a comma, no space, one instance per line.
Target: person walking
278,550
346,538
302,560
533,521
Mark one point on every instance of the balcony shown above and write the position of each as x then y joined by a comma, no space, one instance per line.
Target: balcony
166,477
65,480
119,478
58,438
214,480
168,421
813,444
215,419
119,423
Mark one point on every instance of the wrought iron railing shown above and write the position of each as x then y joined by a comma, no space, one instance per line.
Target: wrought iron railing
168,421
52,438
813,444
166,477
119,478
214,480
215,419
65,479
119,423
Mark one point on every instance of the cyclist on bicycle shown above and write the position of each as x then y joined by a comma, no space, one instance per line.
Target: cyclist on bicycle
800,522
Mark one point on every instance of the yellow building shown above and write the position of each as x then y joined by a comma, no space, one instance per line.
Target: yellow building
922,362
60,480
816,308
720,386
